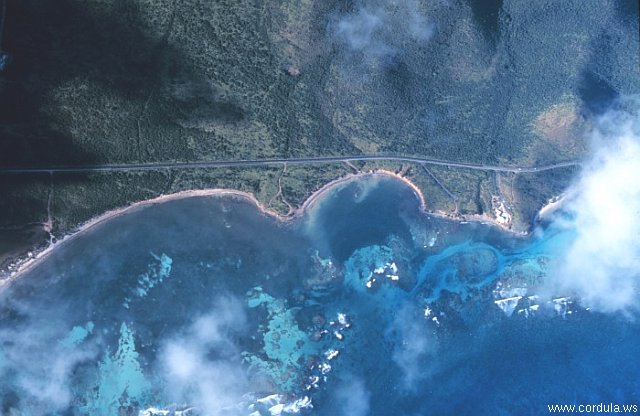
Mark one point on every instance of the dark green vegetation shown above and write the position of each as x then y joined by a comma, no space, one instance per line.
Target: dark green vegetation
117,81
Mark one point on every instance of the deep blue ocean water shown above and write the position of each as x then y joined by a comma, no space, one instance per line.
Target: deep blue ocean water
363,306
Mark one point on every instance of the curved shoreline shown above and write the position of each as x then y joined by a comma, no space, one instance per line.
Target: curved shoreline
24,266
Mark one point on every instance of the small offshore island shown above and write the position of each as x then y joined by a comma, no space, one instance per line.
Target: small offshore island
209,305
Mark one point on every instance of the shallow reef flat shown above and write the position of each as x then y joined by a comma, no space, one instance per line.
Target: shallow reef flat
364,304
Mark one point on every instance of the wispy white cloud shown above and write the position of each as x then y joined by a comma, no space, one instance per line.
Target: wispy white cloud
352,399
415,347
379,30
201,365
39,370
359,31
601,266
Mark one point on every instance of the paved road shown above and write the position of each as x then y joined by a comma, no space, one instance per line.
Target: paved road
270,162
263,162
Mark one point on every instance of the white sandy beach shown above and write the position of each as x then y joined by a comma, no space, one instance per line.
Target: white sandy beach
27,264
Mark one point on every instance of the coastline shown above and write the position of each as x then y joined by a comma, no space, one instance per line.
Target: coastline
552,206
354,176
24,265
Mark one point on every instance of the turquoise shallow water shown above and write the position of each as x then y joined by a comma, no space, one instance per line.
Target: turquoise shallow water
363,306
